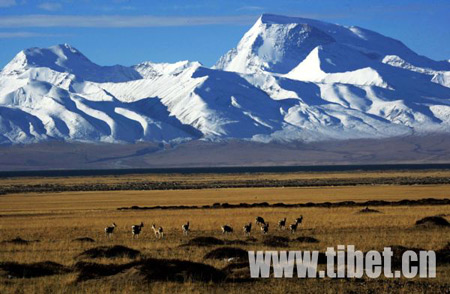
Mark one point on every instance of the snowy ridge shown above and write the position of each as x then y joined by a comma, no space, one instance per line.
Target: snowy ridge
288,79
66,59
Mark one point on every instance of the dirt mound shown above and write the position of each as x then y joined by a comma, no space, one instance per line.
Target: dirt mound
433,221
236,242
306,239
398,253
152,270
443,255
32,270
109,252
276,241
179,271
227,253
19,241
84,239
92,270
368,210
237,271
204,241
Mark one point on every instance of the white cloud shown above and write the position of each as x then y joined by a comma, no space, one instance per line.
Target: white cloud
13,35
251,8
116,21
7,3
50,6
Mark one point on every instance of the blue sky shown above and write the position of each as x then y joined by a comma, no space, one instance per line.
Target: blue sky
131,31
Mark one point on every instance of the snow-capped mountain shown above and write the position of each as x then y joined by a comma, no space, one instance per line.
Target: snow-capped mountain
288,79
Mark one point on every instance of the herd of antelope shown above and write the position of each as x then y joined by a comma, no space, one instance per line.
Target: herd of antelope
226,229
264,226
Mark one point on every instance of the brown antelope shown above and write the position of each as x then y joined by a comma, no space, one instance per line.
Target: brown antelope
247,229
293,227
110,229
282,224
185,228
226,229
159,232
136,230
259,221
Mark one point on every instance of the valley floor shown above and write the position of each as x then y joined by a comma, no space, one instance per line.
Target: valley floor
232,153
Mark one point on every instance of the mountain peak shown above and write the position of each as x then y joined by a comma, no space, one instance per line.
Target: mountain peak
279,43
274,44
64,58
68,46
62,51
60,58
68,50
282,19
150,70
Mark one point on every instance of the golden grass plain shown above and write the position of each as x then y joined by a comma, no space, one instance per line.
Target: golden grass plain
57,218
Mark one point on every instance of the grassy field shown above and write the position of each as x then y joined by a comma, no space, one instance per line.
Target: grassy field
56,219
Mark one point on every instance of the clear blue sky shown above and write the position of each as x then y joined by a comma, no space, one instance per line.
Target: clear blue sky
131,31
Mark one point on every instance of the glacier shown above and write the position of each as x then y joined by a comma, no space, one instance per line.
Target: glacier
288,79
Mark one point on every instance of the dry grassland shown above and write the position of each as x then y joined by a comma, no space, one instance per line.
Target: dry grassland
56,219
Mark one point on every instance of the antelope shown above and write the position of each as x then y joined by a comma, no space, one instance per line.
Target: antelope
136,229
265,228
299,220
159,232
110,229
282,224
247,229
293,227
185,228
259,221
226,229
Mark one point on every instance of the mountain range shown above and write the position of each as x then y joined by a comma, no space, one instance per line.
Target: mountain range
289,79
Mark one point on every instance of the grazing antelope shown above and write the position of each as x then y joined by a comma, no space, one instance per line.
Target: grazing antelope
293,227
282,224
159,232
136,230
226,229
247,229
265,228
185,228
298,221
110,229
259,221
